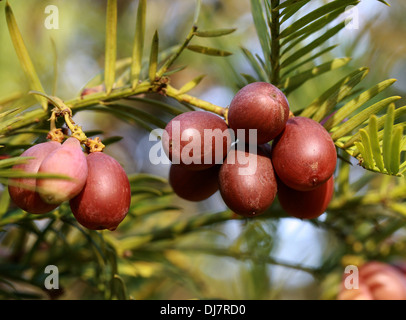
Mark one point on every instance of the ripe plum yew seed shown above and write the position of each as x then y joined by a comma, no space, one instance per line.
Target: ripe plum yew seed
196,140
69,160
304,155
260,106
105,200
23,190
247,182
306,204
193,185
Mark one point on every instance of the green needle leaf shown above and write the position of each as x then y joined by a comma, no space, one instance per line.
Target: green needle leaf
214,33
138,46
396,149
197,12
351,106
315,14
314,26
209,51
296,81
374,139
191,84
314,44
361,117
262,29
14,161
367,150
111,45
23,56
153,59
288,3
337,93
387,137
259,70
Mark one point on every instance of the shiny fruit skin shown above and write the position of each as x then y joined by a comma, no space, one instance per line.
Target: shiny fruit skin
68,160
260,106
304,155
193,185
306,204
247,187
105,199
377,281
28,199
184,140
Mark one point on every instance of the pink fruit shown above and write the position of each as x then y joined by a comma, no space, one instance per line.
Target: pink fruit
25,195
105,200
68,160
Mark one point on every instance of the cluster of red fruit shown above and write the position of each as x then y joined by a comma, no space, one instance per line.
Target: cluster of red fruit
98,190
274,154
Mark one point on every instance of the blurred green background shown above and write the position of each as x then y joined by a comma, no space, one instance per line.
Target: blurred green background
181,269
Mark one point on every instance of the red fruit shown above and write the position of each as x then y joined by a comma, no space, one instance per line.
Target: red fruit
247,182
24,195
105,200
377,281
193,185
304,155
68,160
196,140
306,204
260,106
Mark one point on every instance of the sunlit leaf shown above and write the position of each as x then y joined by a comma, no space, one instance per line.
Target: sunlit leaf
214,33
351,106
288,3
14,161
312,45
259,70
366,150
313,27
315,14
361,117
138,44
111,45
208,51
374,139
292,10
321,107
191,84
153,58
296,81
261,25
396,150
23,55
387,137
